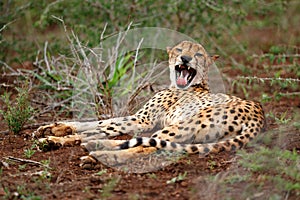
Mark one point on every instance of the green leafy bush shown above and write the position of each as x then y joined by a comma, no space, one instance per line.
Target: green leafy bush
17,113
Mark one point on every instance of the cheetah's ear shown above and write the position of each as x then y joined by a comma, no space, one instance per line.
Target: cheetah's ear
214,57
169,49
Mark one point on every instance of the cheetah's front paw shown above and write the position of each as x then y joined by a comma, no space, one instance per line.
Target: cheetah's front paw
57,129
52,142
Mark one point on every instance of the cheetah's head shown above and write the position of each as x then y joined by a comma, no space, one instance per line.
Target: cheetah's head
189,64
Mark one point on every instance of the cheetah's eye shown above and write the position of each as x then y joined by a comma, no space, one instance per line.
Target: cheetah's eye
198,54
177,49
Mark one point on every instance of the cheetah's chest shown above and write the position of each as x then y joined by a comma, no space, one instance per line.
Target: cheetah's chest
185,108
190,105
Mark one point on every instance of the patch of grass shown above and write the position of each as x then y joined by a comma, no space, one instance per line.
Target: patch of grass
217,19
107,189
178,178
280,167
17,113
236,178
21,192
264,173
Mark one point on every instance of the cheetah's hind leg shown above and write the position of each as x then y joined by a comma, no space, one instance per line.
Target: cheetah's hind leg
100,144
137,159
131,160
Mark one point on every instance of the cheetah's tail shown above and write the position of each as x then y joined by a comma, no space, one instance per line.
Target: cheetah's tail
227,145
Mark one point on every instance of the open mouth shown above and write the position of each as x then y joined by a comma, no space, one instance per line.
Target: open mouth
184,75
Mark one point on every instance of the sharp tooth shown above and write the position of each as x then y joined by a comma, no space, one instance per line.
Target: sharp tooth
189,67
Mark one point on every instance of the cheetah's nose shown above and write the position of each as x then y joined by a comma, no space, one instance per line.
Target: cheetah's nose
186,59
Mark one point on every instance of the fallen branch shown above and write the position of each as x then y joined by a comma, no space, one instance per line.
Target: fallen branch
269,79
38,173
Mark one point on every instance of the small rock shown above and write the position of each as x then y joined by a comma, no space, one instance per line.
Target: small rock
184,184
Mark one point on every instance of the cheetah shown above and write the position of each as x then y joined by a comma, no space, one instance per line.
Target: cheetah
186,117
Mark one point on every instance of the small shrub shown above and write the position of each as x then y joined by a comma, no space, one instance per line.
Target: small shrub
18,113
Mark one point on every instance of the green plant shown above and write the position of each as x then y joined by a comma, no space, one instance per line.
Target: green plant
23,193
18,113
122,66
211,164
29,152
100,173
296,125
45,174
178,178
114,77
109,187
22,167
265,98
241,85
152,175
282,119
46,163
7,194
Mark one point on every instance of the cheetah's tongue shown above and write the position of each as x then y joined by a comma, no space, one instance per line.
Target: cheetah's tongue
182,79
